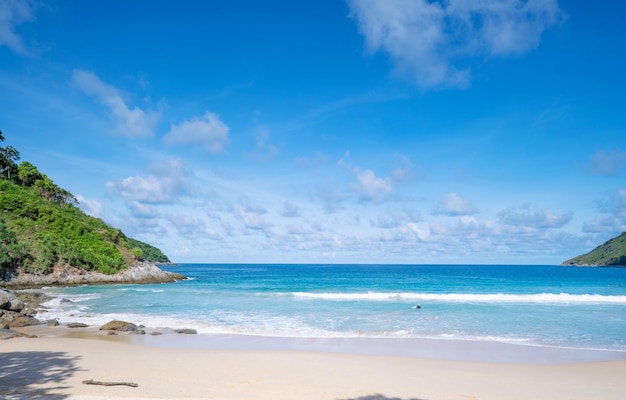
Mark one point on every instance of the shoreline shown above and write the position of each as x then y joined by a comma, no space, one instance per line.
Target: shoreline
54,365
453,349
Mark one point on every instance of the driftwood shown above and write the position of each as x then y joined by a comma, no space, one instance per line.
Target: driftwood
92,382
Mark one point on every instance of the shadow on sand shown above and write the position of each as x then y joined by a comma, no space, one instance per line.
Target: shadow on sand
378,397
23,373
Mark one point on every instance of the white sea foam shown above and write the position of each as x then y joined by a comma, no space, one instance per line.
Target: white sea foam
553,298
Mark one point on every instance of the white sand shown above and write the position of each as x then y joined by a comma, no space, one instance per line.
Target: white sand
54,368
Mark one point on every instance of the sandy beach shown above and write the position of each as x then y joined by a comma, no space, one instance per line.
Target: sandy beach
54,365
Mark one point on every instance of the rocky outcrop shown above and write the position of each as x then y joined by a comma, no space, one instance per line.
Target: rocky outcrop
144,272
14,313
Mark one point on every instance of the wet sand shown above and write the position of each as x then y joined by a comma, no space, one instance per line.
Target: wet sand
172,366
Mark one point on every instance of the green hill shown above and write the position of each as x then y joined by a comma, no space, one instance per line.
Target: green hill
611,253
41,227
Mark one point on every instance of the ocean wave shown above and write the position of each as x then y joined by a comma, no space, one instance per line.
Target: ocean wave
553,298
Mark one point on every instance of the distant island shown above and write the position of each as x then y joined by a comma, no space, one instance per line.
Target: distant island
45,239
610,254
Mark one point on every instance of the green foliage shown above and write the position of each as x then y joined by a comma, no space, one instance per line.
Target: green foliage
28,174
60,234
611,253
149,253
8,157
40,227
137,253
12,252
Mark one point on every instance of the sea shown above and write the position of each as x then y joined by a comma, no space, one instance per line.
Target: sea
530,305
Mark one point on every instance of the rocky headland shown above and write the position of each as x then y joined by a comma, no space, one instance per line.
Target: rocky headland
140,272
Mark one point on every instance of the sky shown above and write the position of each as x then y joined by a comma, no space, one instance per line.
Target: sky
328,131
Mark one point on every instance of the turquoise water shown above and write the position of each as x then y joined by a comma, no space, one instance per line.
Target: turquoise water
534,305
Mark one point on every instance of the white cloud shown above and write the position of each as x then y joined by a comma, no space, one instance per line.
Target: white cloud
394,219
454,205
166,182
141,210
370,187
133,122
251,217
526,217
12,14
425,38
606,163
207,130
91,207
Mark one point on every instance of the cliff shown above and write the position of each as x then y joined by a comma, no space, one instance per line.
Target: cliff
612,253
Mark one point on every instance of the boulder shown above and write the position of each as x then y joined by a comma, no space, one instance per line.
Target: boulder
11,334
16,305
24,320
6,298
121,326
186,331
77,325
52,322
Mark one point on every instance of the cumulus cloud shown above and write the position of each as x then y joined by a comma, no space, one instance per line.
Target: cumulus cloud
407,233
251,216
606,163
164,184
142,210
370,187
426,38
454,205
527,217
395,219
131,122
207,130
89,206
12,14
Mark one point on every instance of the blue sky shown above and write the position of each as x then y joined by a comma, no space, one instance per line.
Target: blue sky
328,131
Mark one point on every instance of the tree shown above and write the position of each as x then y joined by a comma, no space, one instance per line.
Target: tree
137,253
28,174
12,252
51,192
8,156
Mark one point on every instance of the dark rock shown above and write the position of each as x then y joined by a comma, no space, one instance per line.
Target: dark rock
186,331
77,325
121,326
139,332
64,301
156,333
52,322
